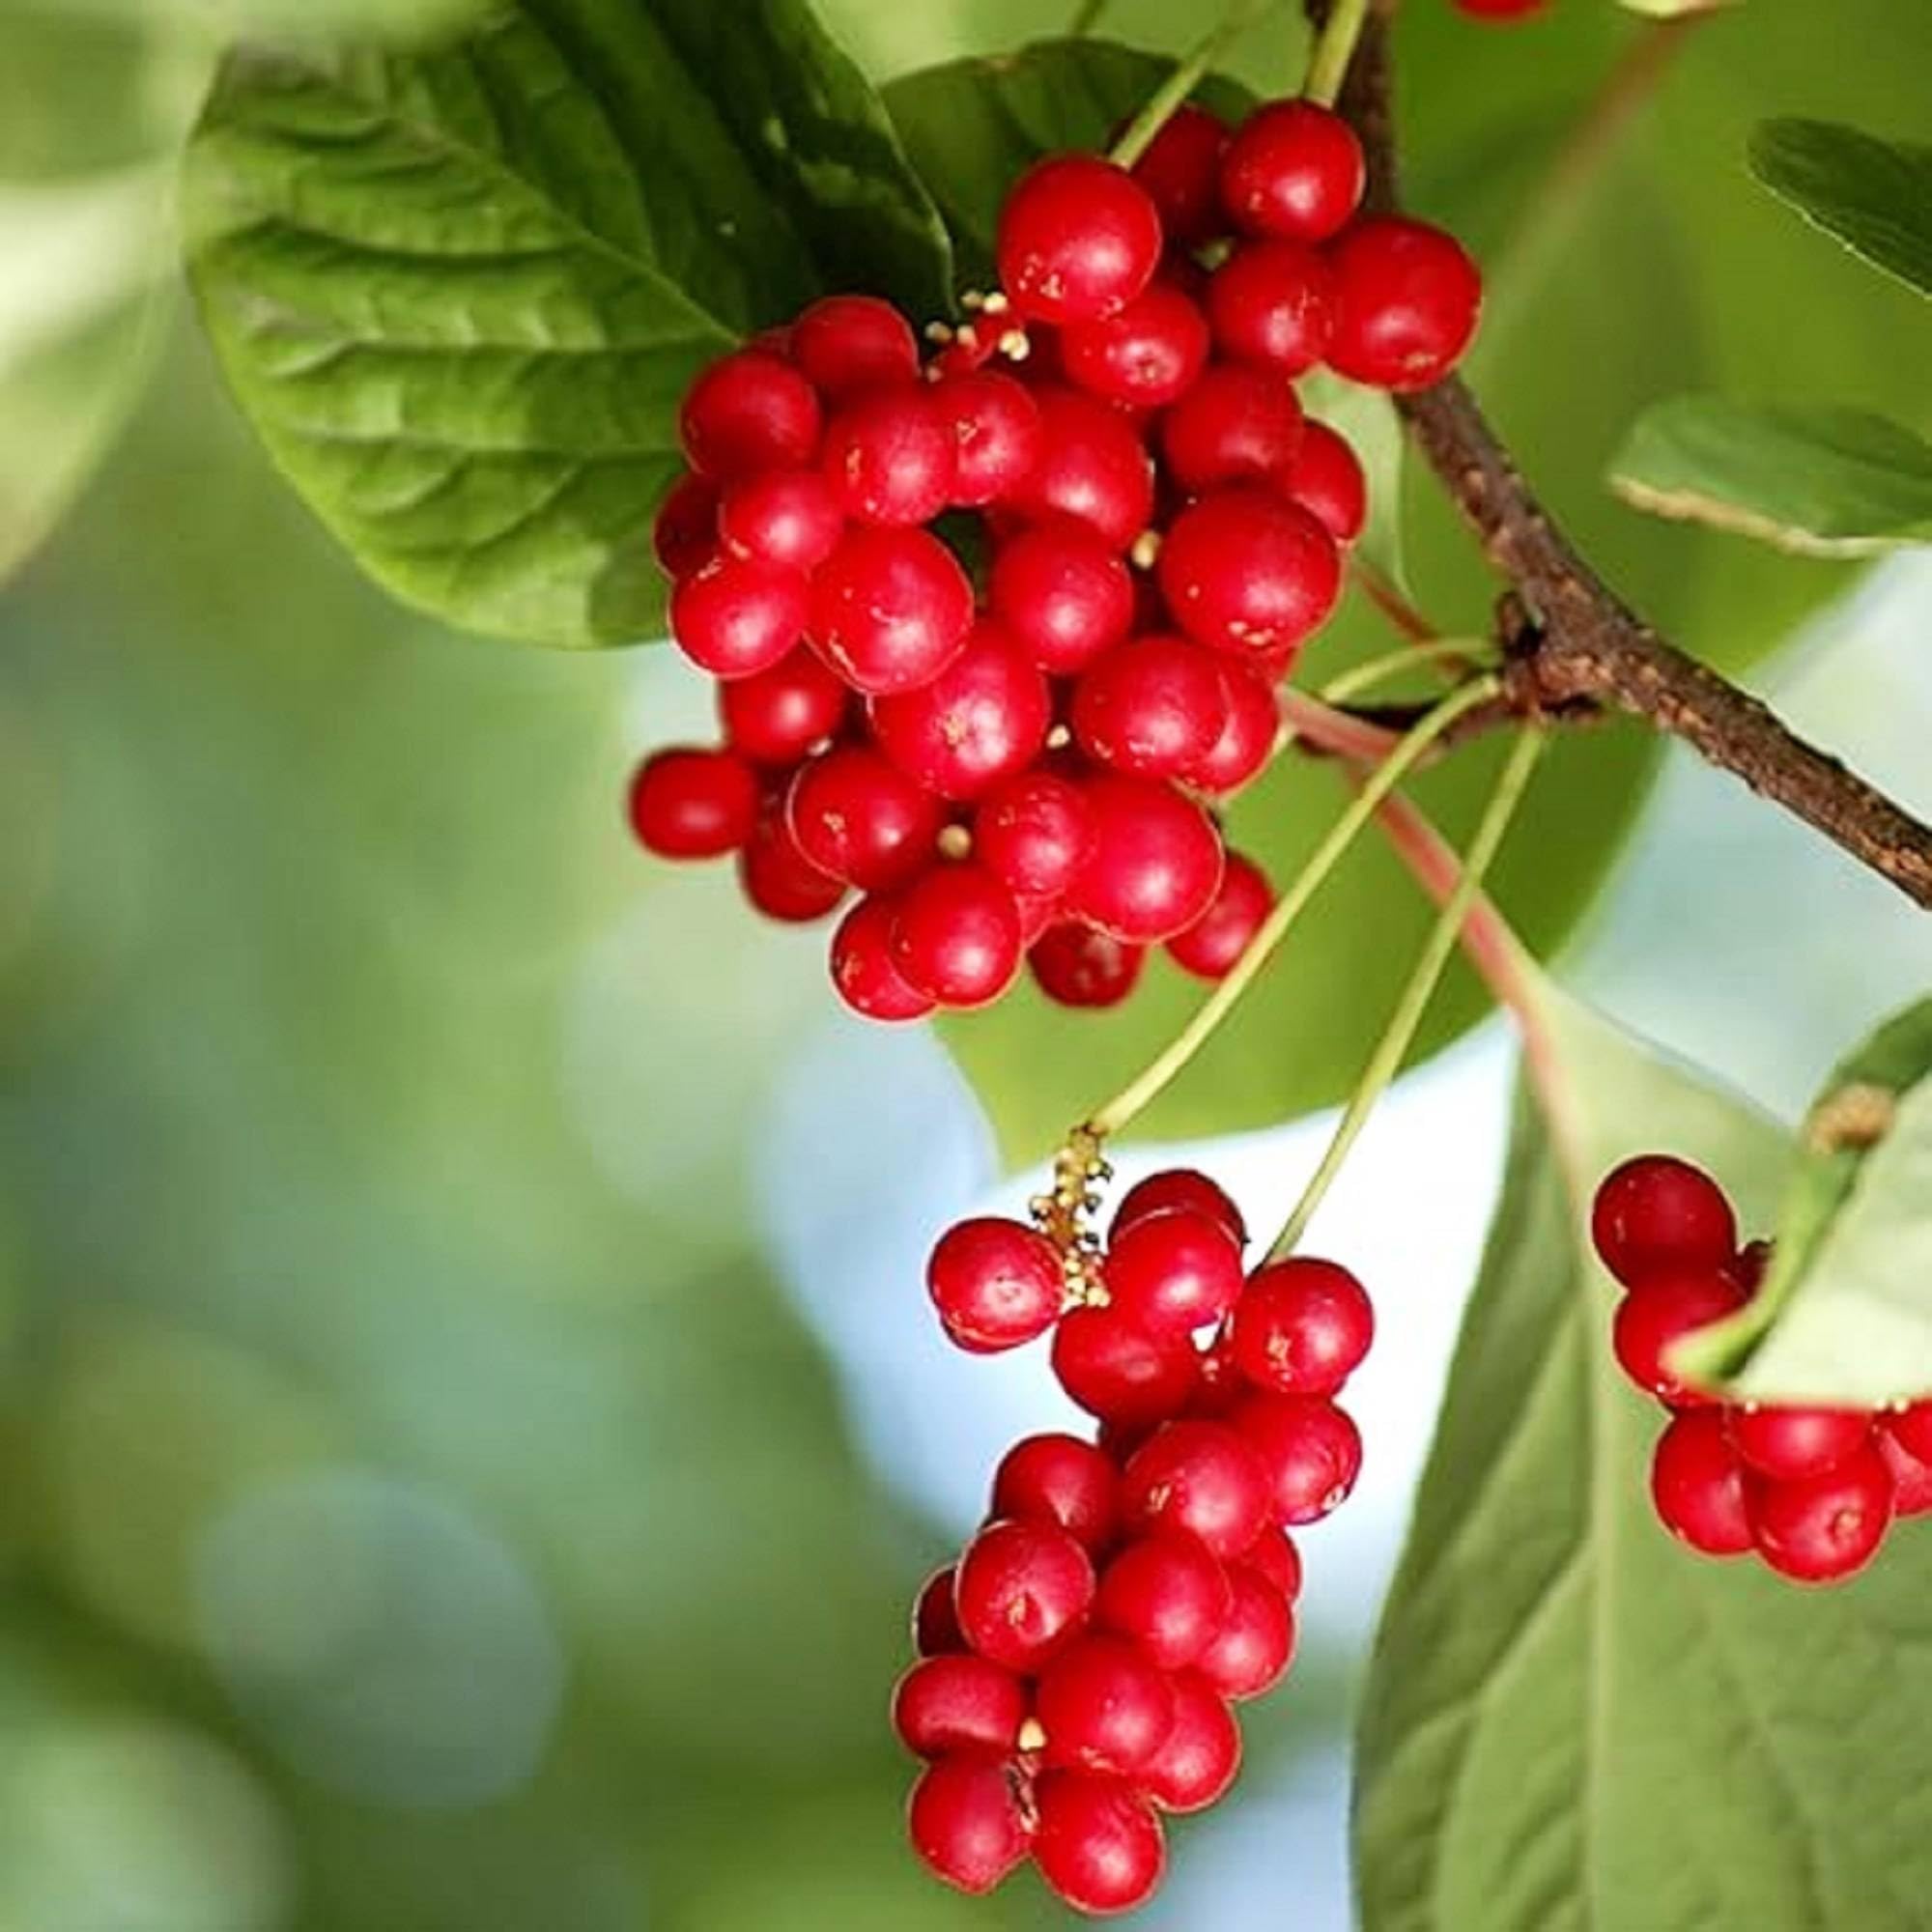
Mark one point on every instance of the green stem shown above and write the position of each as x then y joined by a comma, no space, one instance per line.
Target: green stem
1148,1085
1334,49
1086,17
1361,677
1140,131
1400,1034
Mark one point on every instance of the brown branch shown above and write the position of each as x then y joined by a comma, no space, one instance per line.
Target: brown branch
1571,641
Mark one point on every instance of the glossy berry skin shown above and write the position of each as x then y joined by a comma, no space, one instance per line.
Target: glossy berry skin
997,1284
1118,1372
1303,1328
1911,1477
1177,1189
1154,865
1092,467
996,431
935,1623
1064,592
965,1821
1167,1594
1182,171
749,412
1822,1529
1658,1215
1078,239
960,1703
733,617
1244,572
1080,966
683,536
1032,831
1198,1764
1255,1645
1062,1480
1325,477
1653,1317
1912,1426
691,803
845,345
889,456
1236,425
1212,947
1295,171
1173,1273
1098,1846
1785,1443
856,816
1276,1560
777,716
1142,356
1698,1485
1103,1705
1310,1451
1153,706
890,608
863,968
1022,1590
1408,298
1201,1478
785,517
1272,304
1248,736
983,719
958,936
778,880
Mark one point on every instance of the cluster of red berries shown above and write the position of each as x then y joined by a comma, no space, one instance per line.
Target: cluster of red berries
1027,766
1812,1490
1078,1664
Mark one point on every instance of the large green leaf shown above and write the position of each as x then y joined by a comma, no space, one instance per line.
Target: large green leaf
460,292
1823,482
1875,197
1570,1719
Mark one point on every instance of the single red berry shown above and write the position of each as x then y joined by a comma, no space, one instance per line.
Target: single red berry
1234,425
935,1623
1200,1477
862,965
1078,237
1022,1590
1077,965
1272,303
1325,477
1310,1451
1499,9
1255,1644
1248,736
1821,1528
778,880
692,804
1698,1486
1143,356
889,610
1154,865
1249,574
966,1820
889,456
749,412
785,517
1784,1442
1153,706
734,617
1169,1594
1092,467
1198,1764
1181,172
1912,1426
1406,301
1912,1479
997,1284
983,719
1294,170
1651,1319
996,433
1173,1189
778,715
1278,1562
948,1704
1062,1480
1032,831
1303,1328
957,935
1213,946
1063,592
1660,1215
1099,1846
856,816
845,345
1173,1273
1104,1706
1119,1373
685,534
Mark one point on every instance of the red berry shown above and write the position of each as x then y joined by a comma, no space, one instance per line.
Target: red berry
1081,966
1660,1215
1248,736
1821,1528
786,516
749,411
1325,477
997,1284
856,816
1023,1589
1119,1373
845,345
1099,1847
935,1623
1173,1189
1092,467
1200,1477
1272,303
1032,831
1201,1757
983,719
1912,1479
1294,170
777,716
685,532
1697,1485
1236,425
1310,1451
948,1704
733,617
1063,593
1154,865
1153,706
1499,9
1250,573
1256,1642
1303,1328
1654,1316
890,458
778,879
1104,1706
1078,237
1275,1558
957,935
1406,301
863,968
996,433
1062,1480
966,1823
1181,172
691,804
1211,948
1145,355
1785,1443
1167,1594
889,610
1173,1273
1912,1426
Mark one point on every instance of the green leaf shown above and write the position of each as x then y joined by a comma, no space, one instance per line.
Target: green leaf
1571,1721
1368,419
1675,10
1822,482
1875,197
460,292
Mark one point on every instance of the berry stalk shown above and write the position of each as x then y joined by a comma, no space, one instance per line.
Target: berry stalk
1187,76
1086,17
1334,48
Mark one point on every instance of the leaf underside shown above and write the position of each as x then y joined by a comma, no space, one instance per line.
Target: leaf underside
1873,195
